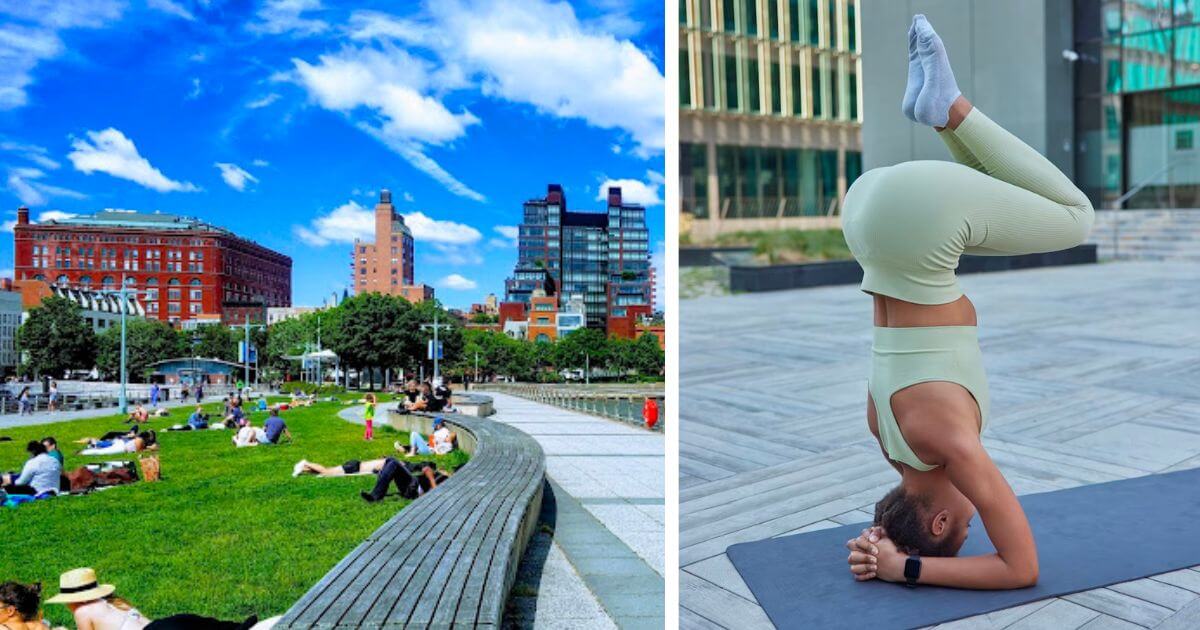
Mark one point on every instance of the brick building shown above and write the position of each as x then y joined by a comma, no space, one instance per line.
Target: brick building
187,269
386,266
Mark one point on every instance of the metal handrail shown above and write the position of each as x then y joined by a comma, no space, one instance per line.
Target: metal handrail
1119,202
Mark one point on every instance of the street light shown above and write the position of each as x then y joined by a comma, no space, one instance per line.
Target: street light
123,399
196,339
436,346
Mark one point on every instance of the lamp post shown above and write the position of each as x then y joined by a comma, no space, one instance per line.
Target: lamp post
246,351
436,346
196,339
123,297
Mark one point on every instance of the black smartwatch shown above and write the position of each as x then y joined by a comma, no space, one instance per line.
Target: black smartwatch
912,570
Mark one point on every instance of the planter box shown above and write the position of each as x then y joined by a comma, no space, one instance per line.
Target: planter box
819,274
704,256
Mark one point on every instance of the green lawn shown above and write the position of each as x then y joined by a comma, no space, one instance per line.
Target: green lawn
791,246
227,532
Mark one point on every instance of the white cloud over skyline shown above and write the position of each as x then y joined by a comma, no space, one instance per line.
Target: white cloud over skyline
235,175
646,193
457,282
110,152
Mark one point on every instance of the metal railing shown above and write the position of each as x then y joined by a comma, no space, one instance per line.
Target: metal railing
1118,204
615,402
92,398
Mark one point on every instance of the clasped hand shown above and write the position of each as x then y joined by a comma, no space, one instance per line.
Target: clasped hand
874,555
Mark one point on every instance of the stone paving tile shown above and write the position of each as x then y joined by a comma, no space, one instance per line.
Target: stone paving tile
1094,372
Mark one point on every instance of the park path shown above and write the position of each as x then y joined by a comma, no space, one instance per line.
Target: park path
49,417
607,489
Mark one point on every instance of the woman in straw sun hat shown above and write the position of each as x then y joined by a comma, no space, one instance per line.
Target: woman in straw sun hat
93,605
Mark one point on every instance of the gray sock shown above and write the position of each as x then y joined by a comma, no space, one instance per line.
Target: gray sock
939,90
916,74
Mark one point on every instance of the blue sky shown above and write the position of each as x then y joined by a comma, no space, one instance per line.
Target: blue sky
282,119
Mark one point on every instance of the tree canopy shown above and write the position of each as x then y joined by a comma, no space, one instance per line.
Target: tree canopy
56,338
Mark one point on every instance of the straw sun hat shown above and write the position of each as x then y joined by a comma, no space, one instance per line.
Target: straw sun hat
80,585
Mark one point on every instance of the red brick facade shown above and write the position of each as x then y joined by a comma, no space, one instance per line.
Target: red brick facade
186,269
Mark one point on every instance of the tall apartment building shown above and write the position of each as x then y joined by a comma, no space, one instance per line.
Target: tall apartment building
386,266
185,268
601,258
770,112
10,320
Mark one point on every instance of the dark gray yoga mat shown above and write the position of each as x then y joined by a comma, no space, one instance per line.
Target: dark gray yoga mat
1087,537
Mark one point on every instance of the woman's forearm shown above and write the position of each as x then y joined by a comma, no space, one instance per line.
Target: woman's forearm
989,572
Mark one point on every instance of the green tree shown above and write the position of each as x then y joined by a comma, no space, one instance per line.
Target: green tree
147,341
216,341
580,348
56,338
370,333
648,356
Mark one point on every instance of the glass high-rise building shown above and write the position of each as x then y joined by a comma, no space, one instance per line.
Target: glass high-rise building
770,111
601,258
1137,102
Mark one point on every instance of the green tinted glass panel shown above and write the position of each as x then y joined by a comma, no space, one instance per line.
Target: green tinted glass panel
852,97
685,80
814,18
851,26
795,19
853,166
818,110
797,89
1147,61
776,90
773,18
731,83
1187,55
755,103
729,12
835,91
750,17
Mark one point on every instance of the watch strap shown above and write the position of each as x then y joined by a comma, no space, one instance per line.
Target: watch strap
912,570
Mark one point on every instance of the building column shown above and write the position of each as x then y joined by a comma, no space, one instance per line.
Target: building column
841,178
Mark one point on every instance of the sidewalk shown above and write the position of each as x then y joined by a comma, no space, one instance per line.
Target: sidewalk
8,421
606,490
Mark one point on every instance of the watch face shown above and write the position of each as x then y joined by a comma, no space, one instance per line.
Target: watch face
912,568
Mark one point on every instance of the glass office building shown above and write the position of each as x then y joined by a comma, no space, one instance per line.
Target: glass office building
770,108
1137,102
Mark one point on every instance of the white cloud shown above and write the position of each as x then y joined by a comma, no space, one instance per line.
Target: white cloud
391,86
23,182
32,152
263,102
636,191
29,35
171,7
453,243
261,163
235,175
616,149
457,283
7,226
196,89
509,234
287,16
109,151
538,53
56,215
408,196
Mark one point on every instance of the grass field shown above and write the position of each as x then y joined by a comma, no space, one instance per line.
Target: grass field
227,532
791,246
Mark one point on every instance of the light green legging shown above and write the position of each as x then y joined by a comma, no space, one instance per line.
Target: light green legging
909,224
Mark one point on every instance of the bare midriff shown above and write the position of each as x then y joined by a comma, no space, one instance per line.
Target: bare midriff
893,313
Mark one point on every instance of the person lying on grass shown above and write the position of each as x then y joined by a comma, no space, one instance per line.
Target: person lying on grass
130,443
412,479
40,474
20,607
94,608
440,442
351,467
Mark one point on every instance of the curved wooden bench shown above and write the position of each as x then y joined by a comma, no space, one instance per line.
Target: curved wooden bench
448,559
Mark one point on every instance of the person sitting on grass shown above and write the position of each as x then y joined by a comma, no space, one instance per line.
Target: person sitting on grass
262,403
351,467
275,427
237,416
138,415
51,445
40,474
20,607
412,479
198,420
146,440
440,442
249,435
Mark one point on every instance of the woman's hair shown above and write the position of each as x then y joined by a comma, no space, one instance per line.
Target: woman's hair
35,448
49,441
24,597
148,438
371,398
904,516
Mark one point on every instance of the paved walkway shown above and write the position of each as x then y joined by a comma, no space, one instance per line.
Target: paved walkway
606,485
1094,373
49,417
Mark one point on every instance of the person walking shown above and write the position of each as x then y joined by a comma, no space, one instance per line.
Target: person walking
53,406
26,408
154,395
199,392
